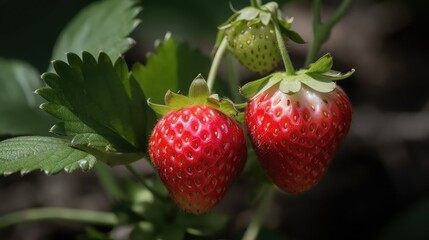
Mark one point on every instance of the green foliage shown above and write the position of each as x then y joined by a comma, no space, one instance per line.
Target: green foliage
102,111
19,105
98,101
205,225
48,154
102,26
93,234
179,65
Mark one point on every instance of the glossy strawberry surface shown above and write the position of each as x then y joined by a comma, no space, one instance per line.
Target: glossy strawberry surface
198,152
296,136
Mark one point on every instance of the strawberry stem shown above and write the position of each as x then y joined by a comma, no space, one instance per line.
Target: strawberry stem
55,213
233,79
216,62
255,3
136,175
283,51
108,182
321,31
252,230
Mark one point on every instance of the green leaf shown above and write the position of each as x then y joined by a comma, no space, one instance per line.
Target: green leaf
323,64
93,234
48,154
98,97
179,64
102,26
143,230
71,125
172,232
19,113
204,225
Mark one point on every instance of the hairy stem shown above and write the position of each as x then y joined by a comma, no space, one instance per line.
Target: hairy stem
255,225
66,214
216,62
283,51
255,3
321,31
140,179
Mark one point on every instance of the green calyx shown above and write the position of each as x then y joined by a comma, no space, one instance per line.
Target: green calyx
199,94
319,77
260,14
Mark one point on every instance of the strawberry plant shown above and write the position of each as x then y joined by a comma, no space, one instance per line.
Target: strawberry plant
108,114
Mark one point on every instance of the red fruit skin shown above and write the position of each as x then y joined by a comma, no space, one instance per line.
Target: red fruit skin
296,136
198,152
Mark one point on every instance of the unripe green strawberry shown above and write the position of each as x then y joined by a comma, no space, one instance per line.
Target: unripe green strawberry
197,149
254,45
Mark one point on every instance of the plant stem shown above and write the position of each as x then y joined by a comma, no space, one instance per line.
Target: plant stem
255,225
283,51
67,214
139,178
216,62
322,31
107,181
255,3
232,78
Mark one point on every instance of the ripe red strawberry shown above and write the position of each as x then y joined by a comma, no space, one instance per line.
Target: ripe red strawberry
295,136
254,45
198,152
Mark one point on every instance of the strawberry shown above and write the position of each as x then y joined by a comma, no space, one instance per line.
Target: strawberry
254,45
296,124
252,39
197,150
296,136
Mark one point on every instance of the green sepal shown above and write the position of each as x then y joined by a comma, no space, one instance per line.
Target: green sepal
248,13
265,14
265,17
322,65
252,88
319,77
199,89
317,84
176,101
292,35
198,93
228,107
271,7
332,75
159,109
290,87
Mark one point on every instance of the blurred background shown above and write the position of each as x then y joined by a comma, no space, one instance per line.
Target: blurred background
378,184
